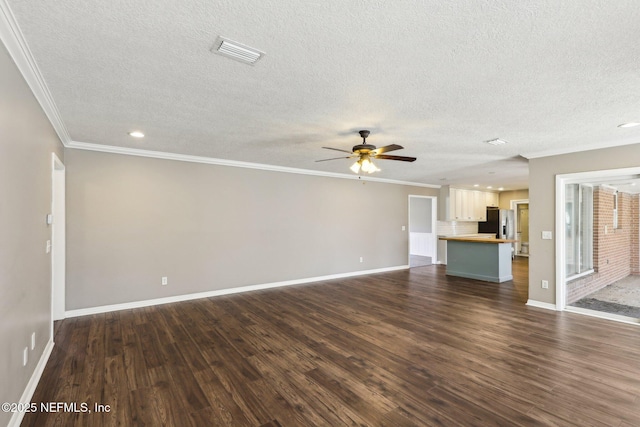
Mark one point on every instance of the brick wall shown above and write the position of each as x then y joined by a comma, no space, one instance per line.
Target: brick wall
635,234
613,249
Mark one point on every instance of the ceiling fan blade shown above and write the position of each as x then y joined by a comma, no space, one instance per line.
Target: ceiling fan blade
338,149
387,148
335,158
401,158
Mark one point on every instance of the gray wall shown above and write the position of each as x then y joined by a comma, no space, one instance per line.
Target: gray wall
26,143
421,221
132,220
542,174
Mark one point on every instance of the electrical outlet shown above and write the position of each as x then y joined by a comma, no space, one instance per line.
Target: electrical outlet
25,356
33,341
547,235
545,284
404,228
165,280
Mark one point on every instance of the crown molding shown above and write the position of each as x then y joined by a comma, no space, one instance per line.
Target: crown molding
19,51
572,150
231,163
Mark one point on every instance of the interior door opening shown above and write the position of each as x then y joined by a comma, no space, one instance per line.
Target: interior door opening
521,223
422,231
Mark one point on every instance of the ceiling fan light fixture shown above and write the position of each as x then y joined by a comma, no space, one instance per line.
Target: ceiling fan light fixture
355,167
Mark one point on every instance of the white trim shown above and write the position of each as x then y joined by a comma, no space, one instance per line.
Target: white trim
231,163
561,284
17,417
602,315
17,47
220,292
540,304
579,275
570,150
58,239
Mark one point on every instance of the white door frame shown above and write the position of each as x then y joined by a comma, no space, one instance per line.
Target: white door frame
434,223
561,182
514,207
58,240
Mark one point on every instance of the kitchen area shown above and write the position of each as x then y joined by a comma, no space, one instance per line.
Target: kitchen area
479,232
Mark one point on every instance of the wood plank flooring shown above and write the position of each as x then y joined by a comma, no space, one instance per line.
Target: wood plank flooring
406,348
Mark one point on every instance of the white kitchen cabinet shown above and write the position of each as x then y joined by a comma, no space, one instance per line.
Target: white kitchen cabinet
458,204
491,199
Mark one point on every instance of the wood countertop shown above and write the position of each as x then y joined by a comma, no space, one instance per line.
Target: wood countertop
478,240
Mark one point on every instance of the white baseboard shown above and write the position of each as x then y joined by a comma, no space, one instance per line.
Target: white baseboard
17,417
539,304
208,294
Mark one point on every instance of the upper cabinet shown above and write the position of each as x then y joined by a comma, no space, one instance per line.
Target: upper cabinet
457,204
491,199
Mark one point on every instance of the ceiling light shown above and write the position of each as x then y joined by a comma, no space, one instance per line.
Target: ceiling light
496,141
237,51
136,134
501,188
364,164
476,185
489,187
629,125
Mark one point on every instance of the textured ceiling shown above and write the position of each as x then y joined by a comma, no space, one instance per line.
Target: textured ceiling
438,77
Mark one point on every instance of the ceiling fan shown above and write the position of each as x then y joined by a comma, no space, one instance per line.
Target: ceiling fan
365,153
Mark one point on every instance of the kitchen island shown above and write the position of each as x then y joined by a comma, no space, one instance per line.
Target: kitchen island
479,258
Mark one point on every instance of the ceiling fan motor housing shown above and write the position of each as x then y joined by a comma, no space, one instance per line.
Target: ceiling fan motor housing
363,148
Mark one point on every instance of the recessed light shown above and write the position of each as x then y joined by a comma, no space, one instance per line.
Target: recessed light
501,188
496,141
136,134
489,187
476,185
629,125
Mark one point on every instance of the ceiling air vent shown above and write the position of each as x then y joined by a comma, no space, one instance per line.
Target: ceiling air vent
496,141
237,51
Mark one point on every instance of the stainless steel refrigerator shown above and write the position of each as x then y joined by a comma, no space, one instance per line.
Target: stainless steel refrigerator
500,222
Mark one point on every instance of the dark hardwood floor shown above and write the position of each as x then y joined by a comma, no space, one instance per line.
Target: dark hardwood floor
407,348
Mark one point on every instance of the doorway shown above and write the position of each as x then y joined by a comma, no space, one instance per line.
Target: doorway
58,241
597,267
422,230
521,209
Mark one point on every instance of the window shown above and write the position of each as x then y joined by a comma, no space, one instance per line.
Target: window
579,230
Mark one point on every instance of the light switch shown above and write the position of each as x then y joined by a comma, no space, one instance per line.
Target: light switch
48,246
547,235
404,228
